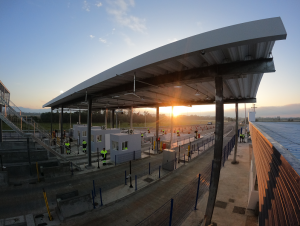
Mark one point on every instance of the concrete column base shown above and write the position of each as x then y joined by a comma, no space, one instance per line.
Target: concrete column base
90,167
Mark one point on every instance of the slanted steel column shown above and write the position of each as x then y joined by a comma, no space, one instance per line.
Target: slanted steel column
131,117
215,175
236,132
1,137
62,130
89,131
113,118
171,140
157,127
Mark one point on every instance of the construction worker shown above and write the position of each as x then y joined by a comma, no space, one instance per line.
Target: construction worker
163,131
241,137
64,134
67,146
178,133
244,138
196,134
103,154
53,134
148,130
84,146
142,135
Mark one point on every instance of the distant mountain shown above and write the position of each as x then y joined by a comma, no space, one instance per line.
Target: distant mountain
30,110
286,111
292,110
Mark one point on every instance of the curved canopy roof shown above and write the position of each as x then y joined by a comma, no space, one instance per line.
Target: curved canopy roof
183,72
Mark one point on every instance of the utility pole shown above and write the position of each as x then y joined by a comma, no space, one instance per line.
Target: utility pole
254,107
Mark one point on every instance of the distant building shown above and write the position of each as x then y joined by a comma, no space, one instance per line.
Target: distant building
251,116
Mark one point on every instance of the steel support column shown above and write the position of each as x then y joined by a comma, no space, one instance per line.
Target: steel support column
1,137
62,130
89,131
236,132
157,127
113,118
171,140
79,117
70,119
111,122
51,116
215,175
106,114
131,117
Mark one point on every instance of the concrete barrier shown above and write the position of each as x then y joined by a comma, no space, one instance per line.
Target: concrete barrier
22,169
68,195
74,206
62,169
18,156
3,178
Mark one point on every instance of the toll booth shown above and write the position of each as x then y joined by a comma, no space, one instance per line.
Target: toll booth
101,138
125,147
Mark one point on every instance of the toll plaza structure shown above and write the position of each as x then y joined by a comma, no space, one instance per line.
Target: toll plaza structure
223,66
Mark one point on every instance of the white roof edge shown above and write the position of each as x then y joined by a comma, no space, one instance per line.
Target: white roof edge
255,31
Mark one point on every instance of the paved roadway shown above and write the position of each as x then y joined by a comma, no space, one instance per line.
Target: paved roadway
137,207
28,198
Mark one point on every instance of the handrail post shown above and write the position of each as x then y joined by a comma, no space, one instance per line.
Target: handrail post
171,212
197,192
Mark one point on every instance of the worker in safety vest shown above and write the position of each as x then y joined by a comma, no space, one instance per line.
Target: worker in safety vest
142,135
68,147
148,130
103,153
241,137
178,133
84,146
163,131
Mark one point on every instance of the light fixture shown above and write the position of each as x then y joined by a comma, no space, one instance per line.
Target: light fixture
177,86
115,96
197,93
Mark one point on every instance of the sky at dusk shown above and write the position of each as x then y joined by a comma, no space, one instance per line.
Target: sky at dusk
48,47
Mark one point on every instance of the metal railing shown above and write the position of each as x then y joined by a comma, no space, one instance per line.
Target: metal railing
176,210
15,121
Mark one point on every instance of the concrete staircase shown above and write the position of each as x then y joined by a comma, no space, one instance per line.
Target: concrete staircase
44,136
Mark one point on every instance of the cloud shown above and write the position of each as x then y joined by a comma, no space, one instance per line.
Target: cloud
127,40
92,36
119,10
102,40
172,40
86,6
98,4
